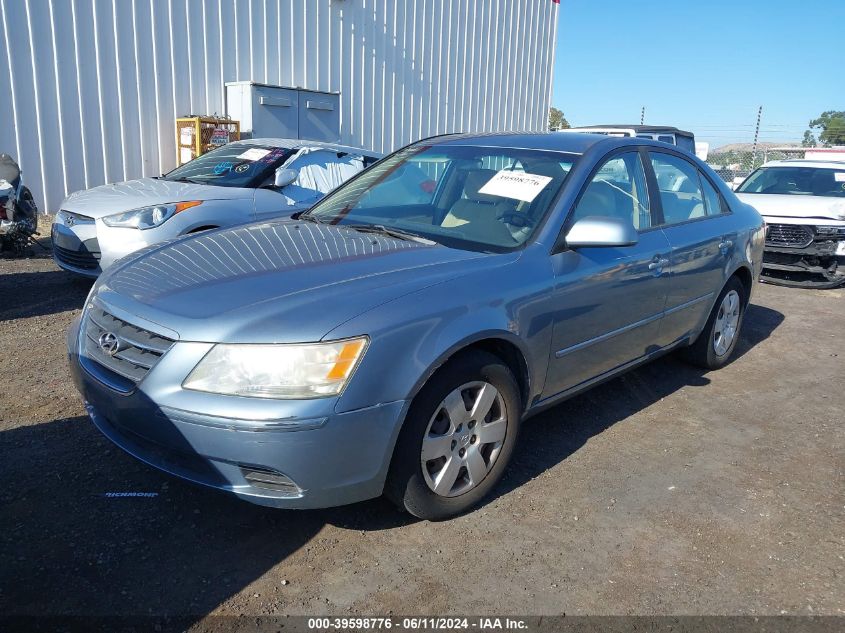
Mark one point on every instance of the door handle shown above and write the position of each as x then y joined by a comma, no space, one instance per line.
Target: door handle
658,264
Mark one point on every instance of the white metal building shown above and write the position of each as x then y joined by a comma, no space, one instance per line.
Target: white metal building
90,89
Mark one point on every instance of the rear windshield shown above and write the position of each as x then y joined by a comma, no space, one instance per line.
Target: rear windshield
798,181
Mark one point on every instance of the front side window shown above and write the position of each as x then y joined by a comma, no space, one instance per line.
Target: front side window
233,165
797,181
475,198
679,187
617,190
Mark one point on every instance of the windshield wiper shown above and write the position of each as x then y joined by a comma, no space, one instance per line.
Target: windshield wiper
190,180
397,233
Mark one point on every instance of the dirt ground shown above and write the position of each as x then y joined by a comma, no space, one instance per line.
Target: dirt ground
667,491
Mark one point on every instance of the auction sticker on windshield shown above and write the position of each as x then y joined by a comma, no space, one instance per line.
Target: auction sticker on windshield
255,153
515,184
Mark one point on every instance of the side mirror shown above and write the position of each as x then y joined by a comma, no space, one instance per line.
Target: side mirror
595,230
284,177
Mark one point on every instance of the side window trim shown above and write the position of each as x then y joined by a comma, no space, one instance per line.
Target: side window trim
655,201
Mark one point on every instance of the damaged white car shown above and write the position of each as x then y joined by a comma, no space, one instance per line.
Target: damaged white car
241,182
803,203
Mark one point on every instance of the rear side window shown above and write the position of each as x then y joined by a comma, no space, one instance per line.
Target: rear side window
680,189
712,199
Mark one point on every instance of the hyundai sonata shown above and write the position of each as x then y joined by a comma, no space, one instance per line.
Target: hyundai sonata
394,338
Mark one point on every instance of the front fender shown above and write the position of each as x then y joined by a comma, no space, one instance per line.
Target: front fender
412,337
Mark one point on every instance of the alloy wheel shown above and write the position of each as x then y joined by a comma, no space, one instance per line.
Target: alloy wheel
727,322
464,438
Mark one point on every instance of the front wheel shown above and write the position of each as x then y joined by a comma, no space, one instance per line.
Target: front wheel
716,343
458,438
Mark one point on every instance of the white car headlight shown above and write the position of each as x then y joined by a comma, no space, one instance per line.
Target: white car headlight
286,371
148,217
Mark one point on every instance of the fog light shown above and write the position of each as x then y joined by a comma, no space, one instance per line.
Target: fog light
268,479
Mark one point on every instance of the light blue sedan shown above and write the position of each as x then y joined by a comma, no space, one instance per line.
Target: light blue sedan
394,338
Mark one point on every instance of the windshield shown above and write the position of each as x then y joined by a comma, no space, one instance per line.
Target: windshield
799,181
233,165
475,198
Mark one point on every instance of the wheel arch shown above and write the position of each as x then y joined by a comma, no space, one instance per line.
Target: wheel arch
746,277
503,345
204,227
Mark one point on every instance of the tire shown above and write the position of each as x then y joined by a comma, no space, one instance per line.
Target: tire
461,439
27,206
709,351
201,229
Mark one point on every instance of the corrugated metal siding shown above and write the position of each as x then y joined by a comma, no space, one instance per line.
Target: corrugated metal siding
97,84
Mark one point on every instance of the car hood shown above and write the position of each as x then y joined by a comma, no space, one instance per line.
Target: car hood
276,282
134,194
789,206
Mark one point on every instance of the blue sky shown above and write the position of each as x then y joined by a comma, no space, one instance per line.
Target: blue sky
703,65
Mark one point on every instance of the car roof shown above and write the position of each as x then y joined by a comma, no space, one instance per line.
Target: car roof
807,162
571,143
292,143
653,129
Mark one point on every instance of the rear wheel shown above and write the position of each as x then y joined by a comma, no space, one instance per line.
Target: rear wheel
458,438
716,343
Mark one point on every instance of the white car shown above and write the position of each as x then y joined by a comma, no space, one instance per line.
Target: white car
803,203
240,182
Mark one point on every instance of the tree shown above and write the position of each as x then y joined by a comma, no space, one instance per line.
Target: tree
556,119
809,139
831,126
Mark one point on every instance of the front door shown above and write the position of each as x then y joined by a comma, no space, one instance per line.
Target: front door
608,302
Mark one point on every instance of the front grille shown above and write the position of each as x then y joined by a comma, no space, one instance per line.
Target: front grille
789,235
85,259
138,350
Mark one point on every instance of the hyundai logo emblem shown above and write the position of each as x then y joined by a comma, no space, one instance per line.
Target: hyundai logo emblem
109,343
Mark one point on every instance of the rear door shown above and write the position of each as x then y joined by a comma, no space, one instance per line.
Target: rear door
608,302
695,221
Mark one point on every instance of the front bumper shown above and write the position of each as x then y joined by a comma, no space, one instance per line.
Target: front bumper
87,247
332,458
815,266
817,263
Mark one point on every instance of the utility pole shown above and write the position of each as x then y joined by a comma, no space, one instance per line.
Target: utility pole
642,116
756,137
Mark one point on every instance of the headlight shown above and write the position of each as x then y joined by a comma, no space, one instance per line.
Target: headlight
149,217
315,370
830,231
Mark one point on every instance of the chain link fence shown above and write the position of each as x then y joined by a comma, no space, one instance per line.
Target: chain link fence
734,166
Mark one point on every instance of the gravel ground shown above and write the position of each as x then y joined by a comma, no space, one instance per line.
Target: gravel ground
667,491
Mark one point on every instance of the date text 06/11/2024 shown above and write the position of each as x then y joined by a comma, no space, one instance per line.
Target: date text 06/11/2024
417,623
